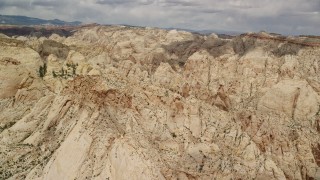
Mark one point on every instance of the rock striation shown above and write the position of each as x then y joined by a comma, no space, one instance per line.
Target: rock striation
113,102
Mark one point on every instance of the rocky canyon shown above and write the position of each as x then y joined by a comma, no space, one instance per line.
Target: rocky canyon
118,103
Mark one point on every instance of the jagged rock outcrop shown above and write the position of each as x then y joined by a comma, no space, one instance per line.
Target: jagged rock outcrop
113,102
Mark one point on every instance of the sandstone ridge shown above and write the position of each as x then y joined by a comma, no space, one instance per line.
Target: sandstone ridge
113,102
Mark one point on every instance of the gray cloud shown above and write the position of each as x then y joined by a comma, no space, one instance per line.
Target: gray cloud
114,2
47,3
179,3
287,17
123,2
19,4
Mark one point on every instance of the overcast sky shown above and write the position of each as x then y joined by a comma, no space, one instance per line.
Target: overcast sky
281,16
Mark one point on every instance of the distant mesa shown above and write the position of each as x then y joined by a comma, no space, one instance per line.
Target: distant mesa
29,21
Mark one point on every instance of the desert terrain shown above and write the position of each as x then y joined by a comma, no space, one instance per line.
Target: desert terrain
116,102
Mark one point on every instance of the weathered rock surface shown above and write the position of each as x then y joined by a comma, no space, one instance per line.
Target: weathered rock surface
133,103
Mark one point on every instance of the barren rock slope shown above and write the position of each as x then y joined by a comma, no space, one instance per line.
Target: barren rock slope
118,103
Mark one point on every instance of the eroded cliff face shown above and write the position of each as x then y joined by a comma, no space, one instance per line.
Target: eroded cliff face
143,103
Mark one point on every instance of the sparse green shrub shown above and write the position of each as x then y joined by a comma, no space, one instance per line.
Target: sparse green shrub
166,94
174,135
74,67
45,68
41,74
63,73
42,70
54,74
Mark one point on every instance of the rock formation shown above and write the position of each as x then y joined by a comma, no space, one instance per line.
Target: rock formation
112,102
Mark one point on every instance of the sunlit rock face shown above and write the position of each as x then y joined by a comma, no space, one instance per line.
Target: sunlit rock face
113,102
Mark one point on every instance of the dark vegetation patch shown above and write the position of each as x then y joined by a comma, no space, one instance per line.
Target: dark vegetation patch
7,126
242,44
184,49
278,46
35,31
287,49
316,154
53,47
216,47
11,42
